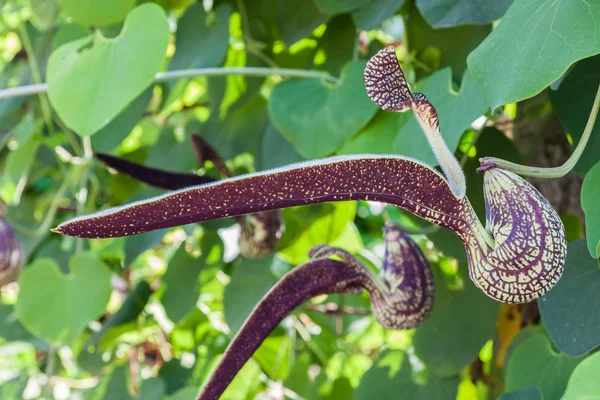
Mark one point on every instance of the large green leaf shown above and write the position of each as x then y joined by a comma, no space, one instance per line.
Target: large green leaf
460,324
448,13
572,103
390,378
372,14
96,12
338,6
570,309
200,44
590,193
584,382
58,307
275,151
533,46
88,84
337,45
535,363
317,117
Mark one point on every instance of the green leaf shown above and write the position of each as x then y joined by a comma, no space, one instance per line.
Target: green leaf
570,309
590,193
584,383
58,307
297,19
337,45
401,131
309,227
109,137
275,151
572,103
96,12
199,44
338,6
449,13
250,281
239,132
390,378
87,83
317,117
552,369
528,393
10,328
462,321
533,46
181,279
451,45
573,226
372,14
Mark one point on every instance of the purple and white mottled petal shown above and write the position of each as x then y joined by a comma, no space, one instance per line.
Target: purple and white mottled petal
409,281
385,81
11,254
531,246
152,176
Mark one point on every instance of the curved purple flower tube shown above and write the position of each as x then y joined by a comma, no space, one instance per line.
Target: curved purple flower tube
401,297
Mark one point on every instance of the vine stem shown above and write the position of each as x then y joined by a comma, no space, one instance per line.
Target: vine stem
556,172
49,371
27,90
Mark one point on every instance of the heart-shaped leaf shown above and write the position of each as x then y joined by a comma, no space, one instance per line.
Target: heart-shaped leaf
96,12
317,117
92,79
58,307
510,68
590,191
570,310
448,13
552,369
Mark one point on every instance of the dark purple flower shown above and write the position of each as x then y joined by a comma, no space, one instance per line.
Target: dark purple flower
11,254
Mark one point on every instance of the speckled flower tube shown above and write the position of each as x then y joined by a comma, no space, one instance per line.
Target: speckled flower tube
260,232
401,297
523,264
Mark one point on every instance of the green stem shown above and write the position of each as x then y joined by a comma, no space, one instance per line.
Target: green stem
556,172
49,371
82,193
27,90
37,77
